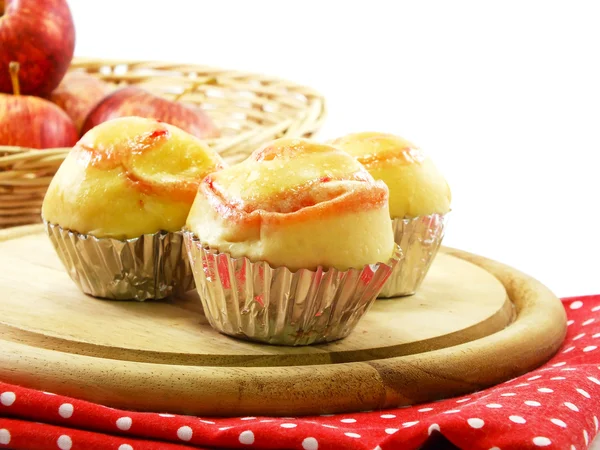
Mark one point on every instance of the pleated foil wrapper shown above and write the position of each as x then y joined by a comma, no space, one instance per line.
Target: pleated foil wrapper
253,301
419,239
150,267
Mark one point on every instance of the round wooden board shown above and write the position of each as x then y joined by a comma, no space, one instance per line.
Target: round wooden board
473,323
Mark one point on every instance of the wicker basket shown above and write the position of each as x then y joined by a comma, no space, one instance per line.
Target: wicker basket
248,108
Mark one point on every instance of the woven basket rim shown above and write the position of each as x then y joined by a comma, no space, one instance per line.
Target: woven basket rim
165,64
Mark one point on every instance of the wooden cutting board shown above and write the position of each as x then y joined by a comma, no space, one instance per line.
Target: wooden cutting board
474,323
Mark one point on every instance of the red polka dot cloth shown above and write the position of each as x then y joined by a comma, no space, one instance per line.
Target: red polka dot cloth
554,407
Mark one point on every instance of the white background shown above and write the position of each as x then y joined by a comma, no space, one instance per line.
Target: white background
505,96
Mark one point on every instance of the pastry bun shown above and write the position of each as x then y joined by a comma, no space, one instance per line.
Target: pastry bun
295,203
417,187
128,177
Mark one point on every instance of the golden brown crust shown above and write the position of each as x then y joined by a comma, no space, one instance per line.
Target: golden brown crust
127,177
416,186
295,203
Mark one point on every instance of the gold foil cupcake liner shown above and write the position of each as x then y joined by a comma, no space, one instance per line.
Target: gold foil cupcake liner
419,239
150,267
253,301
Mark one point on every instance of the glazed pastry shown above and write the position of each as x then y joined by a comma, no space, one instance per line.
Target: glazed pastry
417,188
295,208
297,204
124,192
420,200
128,177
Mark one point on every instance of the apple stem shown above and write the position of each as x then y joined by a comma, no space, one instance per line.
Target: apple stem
13,68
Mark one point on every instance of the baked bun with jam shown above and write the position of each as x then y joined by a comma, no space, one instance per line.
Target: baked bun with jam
299,206
116,206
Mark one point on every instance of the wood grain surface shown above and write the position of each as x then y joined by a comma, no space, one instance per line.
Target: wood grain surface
474,323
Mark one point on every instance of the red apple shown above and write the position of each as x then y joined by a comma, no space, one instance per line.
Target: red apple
27,121
78,93
40,36
134,101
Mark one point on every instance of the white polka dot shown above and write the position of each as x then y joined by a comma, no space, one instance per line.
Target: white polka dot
534,377
64,442
377,448
391,430
545,390
589,348
185,433
352,435
248,418
532,403
462,400
267,420
597,335
541,441
558,378
247,437
288,425
495,448
452,411
166,415
310,443
224,428
584,393
586,438
596,423
573,447
579,336
508,394
328,426
594,380
558,422
348,420
125,447
493,405
4,436
66,410
559,364
570,322
516,419
587,322
124,423
522,385
571,406
48,393
569,369
576,304
7,398
425,409
567,350
388,416
206,421
475,422
433,427
410,424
